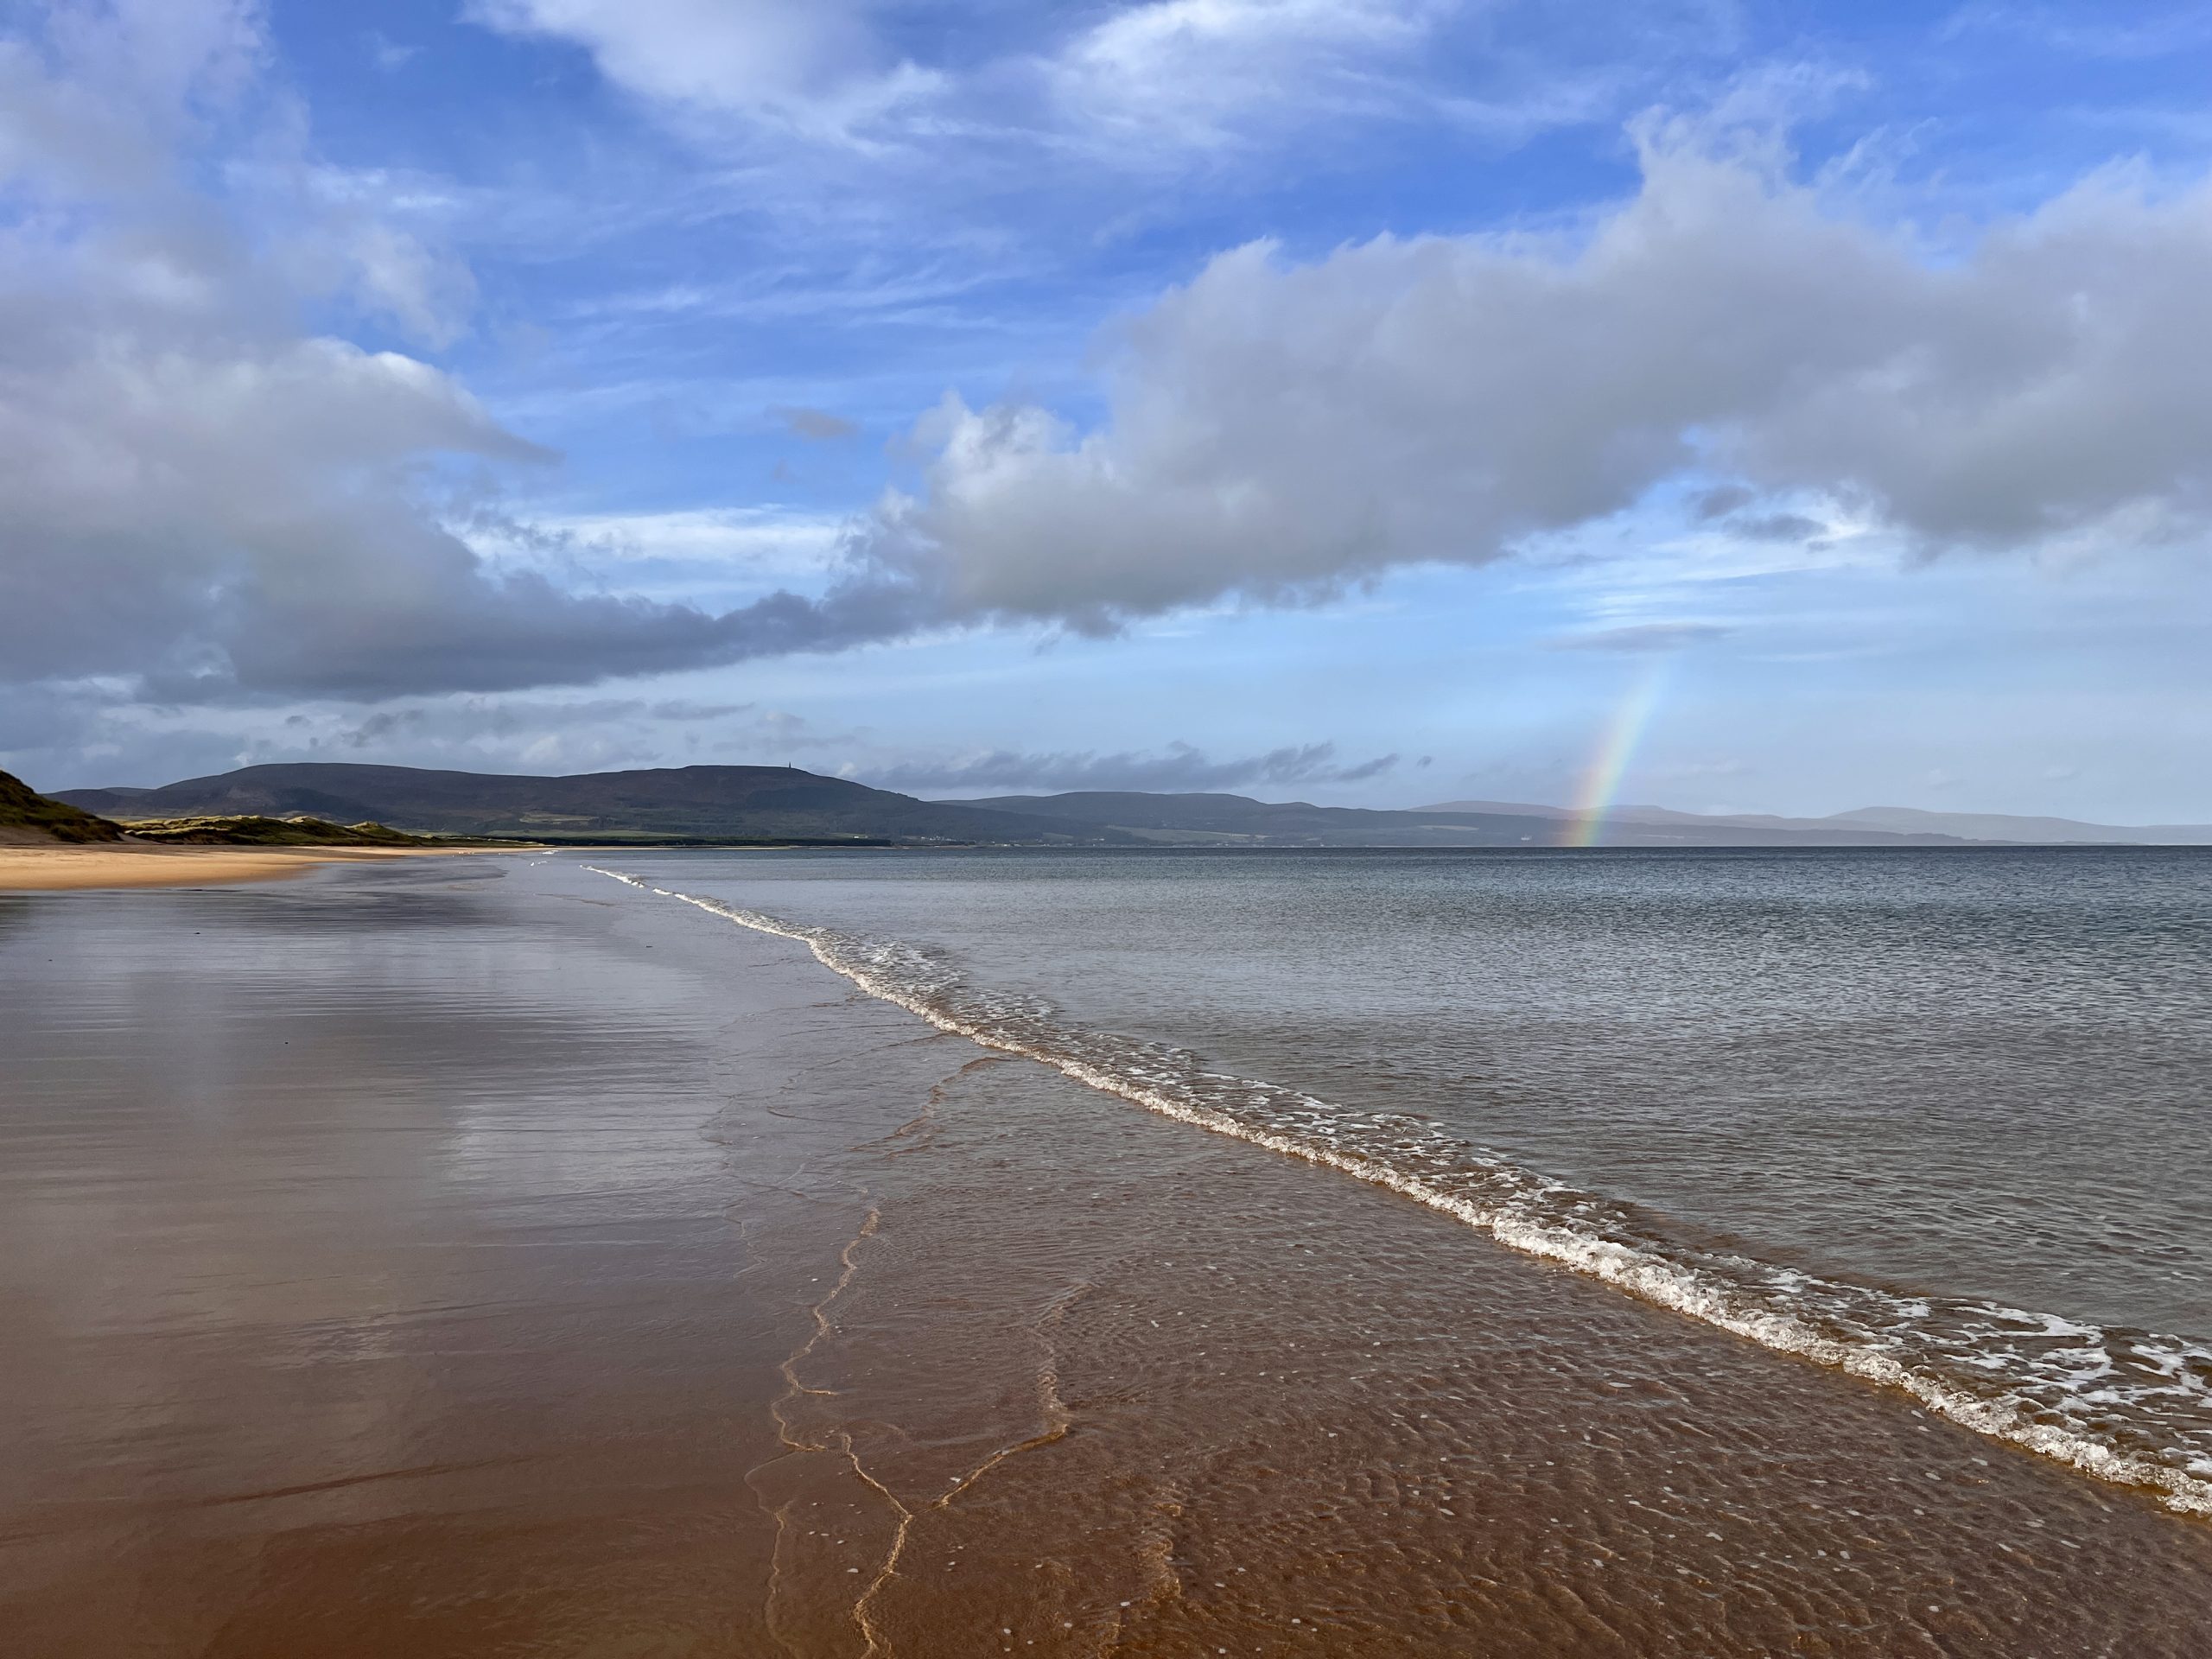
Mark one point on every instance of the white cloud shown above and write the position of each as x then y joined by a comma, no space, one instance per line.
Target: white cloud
195,489
1278,430
198,495
1642,636
700,545
1158,74
387,54
818,65
1177,71
98,97
426,295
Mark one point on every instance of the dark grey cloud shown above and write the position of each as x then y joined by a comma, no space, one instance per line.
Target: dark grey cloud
1776,527
1178,767
1725,504
818,425
1644,636
549,735
482,719
1721,501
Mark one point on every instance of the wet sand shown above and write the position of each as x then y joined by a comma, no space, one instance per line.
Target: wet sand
484,1258
48,866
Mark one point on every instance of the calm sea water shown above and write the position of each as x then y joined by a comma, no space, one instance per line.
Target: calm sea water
1937,1118
451,1257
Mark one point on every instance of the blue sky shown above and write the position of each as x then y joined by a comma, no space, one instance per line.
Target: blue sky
1341,399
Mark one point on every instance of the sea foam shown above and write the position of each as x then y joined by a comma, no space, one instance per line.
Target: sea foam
2133,1407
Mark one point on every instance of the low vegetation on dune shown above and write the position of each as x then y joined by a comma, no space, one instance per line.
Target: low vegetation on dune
28,818
269,832
26,814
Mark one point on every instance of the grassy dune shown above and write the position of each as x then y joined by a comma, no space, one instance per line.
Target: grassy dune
28,815
249,831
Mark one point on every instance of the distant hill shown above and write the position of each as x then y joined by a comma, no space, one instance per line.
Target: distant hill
687,802
1238,820
1894,820
2003,826
783,804
1518,808
26,815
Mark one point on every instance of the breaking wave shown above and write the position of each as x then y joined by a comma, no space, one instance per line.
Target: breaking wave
2130,1407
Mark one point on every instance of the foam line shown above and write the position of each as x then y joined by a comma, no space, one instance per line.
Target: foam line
2010,1373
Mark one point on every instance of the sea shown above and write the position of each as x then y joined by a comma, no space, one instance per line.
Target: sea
1938,1119
1113,1255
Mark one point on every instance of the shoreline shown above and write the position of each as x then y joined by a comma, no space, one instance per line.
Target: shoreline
71,867
515,1260
1641,1270
426,1328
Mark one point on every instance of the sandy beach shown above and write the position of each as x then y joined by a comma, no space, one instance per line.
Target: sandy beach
486,1257
42,866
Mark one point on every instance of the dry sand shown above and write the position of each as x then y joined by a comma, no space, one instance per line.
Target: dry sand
49,867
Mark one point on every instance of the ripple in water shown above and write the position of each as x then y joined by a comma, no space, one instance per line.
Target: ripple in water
2127,1406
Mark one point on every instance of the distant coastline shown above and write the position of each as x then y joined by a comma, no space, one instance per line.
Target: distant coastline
49,845
739,806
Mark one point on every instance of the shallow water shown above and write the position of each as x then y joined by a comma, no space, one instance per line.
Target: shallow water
521,1262
371,1283
1937,1118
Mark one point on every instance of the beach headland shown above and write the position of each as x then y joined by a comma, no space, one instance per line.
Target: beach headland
48,846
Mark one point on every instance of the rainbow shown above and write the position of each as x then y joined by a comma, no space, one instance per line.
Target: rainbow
1608,763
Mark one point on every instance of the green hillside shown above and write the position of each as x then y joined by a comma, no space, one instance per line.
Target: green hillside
25,814
682,804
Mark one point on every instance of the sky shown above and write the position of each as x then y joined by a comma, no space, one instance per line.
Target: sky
1372,402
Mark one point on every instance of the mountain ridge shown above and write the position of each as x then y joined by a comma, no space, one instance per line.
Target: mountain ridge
666,803
1239,819
2025,827
751,804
